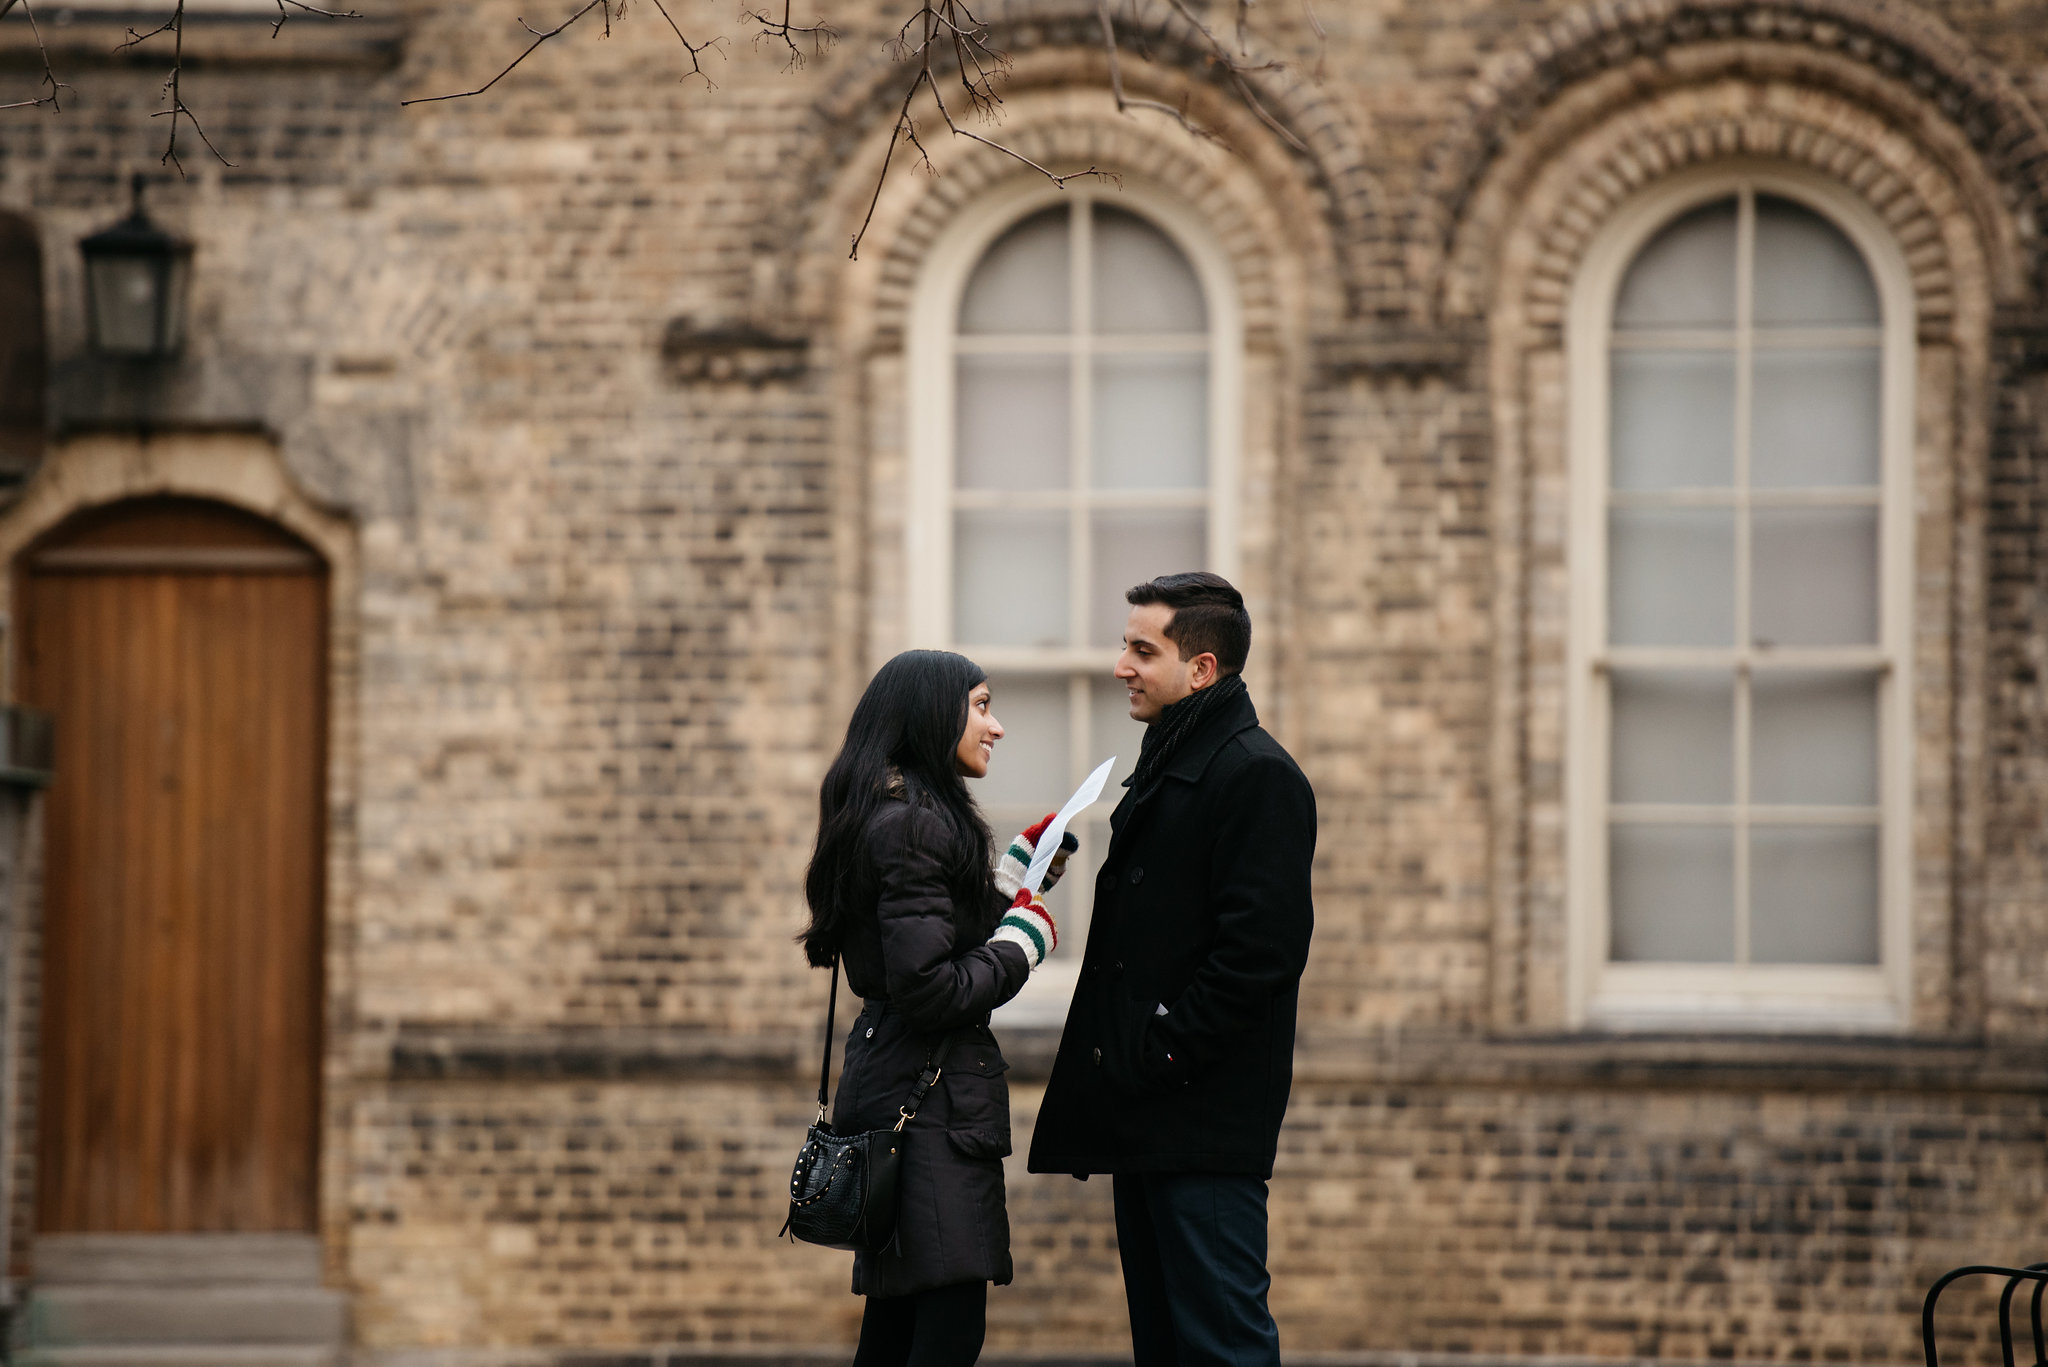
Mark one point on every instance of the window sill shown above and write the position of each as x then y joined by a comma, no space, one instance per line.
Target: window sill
1745,1061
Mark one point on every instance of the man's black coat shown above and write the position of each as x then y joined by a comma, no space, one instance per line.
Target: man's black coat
1202,906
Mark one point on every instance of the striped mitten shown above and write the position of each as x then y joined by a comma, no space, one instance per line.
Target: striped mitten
1016,860
1028,925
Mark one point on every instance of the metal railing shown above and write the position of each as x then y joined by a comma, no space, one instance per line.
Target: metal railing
2037,1273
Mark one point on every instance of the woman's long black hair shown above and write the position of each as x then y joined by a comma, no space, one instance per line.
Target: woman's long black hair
909,721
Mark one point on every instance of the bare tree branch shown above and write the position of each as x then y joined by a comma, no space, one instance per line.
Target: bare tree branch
696,50
173,90
980,69
1125,103
1238,70
820,34
945,26
1308,8
540,38
284,14
56,87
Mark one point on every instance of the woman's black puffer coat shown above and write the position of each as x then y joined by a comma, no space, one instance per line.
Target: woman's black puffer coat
924,967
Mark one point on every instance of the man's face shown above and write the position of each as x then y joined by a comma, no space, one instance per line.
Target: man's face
1151,669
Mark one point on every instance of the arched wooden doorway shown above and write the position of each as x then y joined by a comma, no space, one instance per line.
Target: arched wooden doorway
181,646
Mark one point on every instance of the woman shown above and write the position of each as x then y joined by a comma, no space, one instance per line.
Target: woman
903,891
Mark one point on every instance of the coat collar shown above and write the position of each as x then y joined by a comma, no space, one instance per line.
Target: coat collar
1193,760
1213,734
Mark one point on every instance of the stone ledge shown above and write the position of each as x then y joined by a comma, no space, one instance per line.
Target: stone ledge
688,1356
469,1053
94,37
722,355
422,1052
1404,351
1740,1062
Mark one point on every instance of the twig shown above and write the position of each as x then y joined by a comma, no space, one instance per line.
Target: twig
820,34
1238,71
284,14
696,50
57,88
1308,8
173,92
1125,102
539,38
980,68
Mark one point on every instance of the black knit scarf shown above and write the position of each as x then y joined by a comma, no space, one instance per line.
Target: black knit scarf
1176,723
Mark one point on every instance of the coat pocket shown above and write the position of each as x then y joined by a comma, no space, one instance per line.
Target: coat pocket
977,1097
1125,1063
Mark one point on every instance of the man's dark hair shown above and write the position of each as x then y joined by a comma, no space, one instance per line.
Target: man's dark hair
1208,615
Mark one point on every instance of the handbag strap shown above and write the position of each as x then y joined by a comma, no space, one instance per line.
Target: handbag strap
825,1068
927,1078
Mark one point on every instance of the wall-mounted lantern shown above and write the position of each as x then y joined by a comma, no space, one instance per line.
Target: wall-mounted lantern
135,278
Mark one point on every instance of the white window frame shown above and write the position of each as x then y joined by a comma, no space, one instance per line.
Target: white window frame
1641,996
928,543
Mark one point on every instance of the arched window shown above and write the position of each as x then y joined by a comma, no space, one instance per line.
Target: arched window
1741,570
1080,443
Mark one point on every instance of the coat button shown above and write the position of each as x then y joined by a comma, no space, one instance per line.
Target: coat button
1137,876
871,1032
1098,1058
1117,968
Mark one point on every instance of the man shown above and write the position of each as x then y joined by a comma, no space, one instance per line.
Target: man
1174,1068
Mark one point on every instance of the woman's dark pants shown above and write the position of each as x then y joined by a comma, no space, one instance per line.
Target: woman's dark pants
1194,1253
942,1327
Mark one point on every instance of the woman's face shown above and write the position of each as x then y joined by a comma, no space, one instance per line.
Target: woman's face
978,742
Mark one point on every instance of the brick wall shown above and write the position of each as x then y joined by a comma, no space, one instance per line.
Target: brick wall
582,365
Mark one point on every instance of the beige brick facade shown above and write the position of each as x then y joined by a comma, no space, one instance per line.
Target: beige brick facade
605,441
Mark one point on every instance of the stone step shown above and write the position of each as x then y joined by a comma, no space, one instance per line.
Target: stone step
65,1316
180,1259
182,1355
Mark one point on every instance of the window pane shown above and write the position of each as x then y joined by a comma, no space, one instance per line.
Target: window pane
1813,895
1021,285
1113,733
1674,736
1010,578
1813,738
1686,276
1807,273
1671,577
1011,422
1029,770
1672,890
1816,576
1674,419
1142,282
1132,547
1151,422
1816,418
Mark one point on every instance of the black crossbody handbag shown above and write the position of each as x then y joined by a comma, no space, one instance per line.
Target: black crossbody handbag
843,1191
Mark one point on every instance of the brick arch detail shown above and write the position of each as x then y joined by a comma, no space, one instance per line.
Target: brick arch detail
1913,79
1525,236
1270,232
1332,204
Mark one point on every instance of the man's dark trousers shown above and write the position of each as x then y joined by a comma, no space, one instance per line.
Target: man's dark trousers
1194,1255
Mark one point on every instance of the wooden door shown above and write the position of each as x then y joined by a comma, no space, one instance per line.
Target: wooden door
181,647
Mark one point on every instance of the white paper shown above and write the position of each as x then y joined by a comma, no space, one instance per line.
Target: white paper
1049,842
